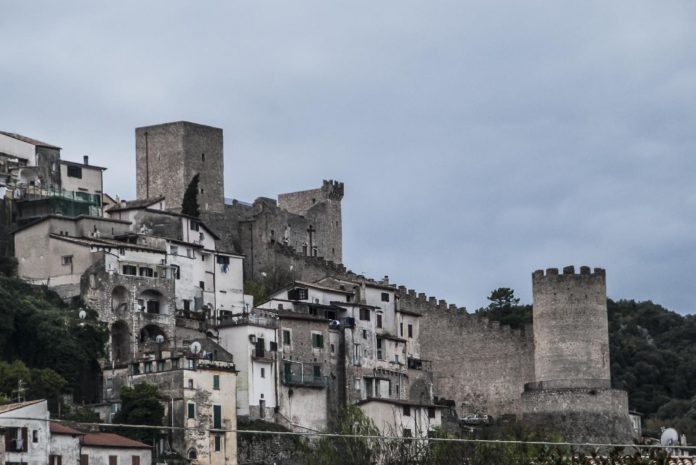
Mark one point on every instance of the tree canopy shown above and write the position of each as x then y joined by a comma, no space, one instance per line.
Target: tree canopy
140,405
189,204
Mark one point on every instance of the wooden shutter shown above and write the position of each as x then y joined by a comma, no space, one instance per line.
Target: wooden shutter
113,460
25,439
84,459
135,460
8,440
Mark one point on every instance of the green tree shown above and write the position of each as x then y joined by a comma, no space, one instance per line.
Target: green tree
189,205
348,451
140,405
502,298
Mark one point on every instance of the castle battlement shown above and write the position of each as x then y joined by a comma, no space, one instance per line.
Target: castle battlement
568,271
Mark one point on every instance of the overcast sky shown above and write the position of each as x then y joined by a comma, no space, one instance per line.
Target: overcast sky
478,141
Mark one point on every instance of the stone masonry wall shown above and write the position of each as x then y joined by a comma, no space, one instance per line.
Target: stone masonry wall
169,155
479,364
570,326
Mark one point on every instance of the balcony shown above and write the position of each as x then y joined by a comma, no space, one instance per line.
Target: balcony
263,355
303,375
248,319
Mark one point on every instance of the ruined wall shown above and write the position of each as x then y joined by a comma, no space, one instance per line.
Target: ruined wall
322,208
477,363
169,155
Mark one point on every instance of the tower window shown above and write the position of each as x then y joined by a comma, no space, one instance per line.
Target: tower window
202,156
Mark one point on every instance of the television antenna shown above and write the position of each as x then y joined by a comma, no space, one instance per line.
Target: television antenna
20,390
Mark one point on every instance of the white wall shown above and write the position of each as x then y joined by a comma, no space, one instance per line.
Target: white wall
18,148
35,418
90,182
389,418
100,455
66,446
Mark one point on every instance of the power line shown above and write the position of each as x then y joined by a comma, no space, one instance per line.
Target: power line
367,436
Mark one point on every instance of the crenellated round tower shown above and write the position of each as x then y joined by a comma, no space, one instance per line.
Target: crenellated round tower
571,394
571,334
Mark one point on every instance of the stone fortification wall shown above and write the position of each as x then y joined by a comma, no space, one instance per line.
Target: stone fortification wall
479,364
579,415
570,327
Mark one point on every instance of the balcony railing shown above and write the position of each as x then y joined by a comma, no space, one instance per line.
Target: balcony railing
300,374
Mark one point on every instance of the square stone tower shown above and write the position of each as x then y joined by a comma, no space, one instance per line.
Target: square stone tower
169,155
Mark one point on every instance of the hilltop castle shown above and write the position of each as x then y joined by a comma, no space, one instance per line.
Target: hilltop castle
325,337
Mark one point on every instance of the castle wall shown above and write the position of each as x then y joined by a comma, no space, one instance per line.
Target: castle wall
169,155
479,364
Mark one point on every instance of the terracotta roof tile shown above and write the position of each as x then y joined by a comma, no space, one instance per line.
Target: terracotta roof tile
111,440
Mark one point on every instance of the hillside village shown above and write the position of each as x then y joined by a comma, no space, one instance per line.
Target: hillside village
170,285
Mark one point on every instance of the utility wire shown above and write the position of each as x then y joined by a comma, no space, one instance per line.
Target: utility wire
366,436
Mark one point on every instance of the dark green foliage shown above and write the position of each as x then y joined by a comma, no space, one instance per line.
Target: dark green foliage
37,328
140,405
348,451
38,383
505,308
8,266
189,205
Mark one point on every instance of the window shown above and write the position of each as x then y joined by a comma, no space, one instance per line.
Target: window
148,367
317,341
135,460
222,260
333,349
201,284
356,354
160,365
357,384
407,410
176,271
66,260
84,459
431,412
113,460
273,346
136,369
410,331
217,417
365,314
379,320
385,297
35,436
130,270
147,272
408,433
187,304
380,354
55,459
401,329
286,337
190,384
190,253
153,306
216,382
190,363
191,410
218,442
195,226
263,372
109,382
175,363
202,156
74,172
174,250
317,371
364,334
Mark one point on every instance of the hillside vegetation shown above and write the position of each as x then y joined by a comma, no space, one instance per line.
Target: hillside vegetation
45,344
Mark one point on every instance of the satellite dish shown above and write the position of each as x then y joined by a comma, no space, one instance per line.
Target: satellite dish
196,347
669,437
159,339
82,314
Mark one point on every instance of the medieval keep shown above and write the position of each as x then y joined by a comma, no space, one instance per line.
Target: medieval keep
170,286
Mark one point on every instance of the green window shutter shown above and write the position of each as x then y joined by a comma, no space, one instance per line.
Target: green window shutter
216,382
217,417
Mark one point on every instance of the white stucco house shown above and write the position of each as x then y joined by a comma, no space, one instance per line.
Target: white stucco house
27,432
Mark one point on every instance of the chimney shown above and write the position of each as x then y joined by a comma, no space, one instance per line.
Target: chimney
86,159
